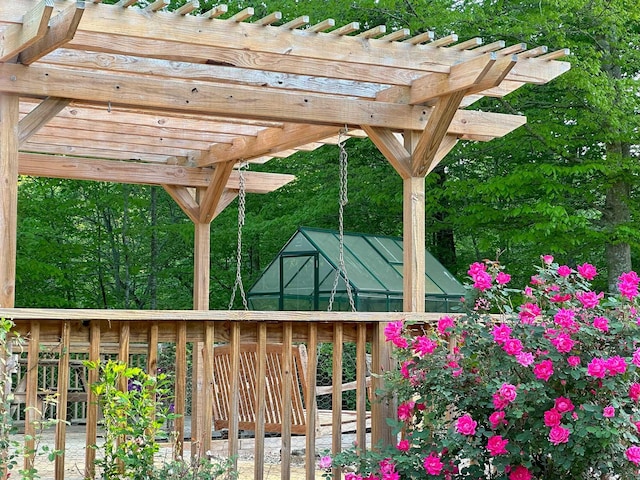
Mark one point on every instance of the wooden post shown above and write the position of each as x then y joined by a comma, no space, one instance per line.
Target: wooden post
414,245
200,420
9,117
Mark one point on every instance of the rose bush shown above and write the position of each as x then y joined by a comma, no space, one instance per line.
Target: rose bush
544,387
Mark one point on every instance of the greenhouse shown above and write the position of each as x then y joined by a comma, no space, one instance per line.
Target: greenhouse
303,275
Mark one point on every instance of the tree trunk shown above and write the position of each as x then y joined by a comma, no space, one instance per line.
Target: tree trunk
614,214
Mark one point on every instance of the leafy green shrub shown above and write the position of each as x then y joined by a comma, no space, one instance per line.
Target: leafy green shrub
133,417
547,389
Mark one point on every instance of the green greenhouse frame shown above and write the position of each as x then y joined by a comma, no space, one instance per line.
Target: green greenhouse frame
303,274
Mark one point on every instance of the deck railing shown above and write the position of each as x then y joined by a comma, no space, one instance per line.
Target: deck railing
96,333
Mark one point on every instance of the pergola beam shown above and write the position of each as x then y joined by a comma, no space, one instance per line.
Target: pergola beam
54,166
238,101
61,30
32,28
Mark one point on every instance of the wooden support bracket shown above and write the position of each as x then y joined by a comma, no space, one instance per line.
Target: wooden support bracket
185,200
61,31
34,26
39,117
391,148
211,198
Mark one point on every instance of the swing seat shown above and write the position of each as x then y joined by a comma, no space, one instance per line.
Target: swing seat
247,407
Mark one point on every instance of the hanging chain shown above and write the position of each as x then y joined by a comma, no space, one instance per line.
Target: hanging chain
342,202
242,194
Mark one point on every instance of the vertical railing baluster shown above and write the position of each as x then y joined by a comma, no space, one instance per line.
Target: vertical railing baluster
361,386
287,384
61,410
92,399
180,387
234,400
336,395
258,467
311,405
31,413
207,387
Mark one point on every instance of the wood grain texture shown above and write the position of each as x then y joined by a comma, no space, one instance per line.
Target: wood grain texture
8,197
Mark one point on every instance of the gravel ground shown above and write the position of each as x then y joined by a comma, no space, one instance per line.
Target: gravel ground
75,455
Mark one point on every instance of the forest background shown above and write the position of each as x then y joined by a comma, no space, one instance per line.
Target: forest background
566,184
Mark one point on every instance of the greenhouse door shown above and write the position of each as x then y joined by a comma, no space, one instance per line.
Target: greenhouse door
299,281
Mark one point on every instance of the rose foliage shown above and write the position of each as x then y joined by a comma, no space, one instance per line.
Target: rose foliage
543,388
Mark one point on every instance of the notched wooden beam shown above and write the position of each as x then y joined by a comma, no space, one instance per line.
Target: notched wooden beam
18,37
39,117
61,31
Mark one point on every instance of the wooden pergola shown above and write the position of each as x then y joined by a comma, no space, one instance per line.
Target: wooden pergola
121,93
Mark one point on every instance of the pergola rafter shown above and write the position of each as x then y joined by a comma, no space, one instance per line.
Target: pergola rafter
140,95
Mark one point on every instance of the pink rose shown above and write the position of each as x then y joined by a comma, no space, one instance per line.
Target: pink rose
482,281
616,365
502,333
496,445
574,361
508,392
552,418
563,405
520,473
476,268
547,259
525,358
601,323
496,419
559,434
564,271
609,412
589,299
352,476
565,318
587,271
403,445
597,368
512,346
636,358
324,462
634,392
432,464
528,313
444,323
633,455
628,285
423,345
393,330
563,343
503,278
543,370
405,410
466,425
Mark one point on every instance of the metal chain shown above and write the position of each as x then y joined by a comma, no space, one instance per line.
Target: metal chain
342,202
242,194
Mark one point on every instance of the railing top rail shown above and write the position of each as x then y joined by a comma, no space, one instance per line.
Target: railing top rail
213,315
